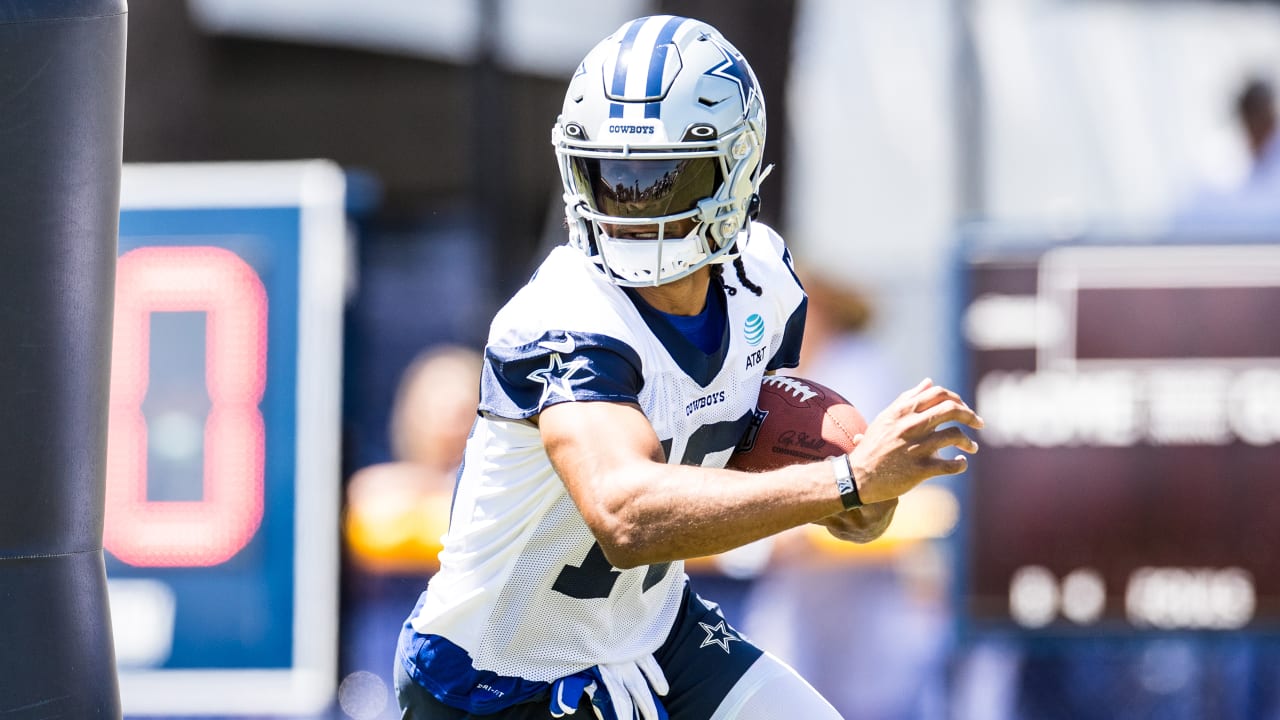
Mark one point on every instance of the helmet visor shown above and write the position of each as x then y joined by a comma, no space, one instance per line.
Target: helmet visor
646,188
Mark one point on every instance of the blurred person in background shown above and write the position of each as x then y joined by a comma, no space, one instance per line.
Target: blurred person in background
894,670
1256,110
1254,204
396,512
616,384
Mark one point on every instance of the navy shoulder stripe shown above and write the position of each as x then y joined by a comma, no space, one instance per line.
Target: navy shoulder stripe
788,353
519,382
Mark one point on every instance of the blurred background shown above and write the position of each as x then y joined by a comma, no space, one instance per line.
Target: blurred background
1069,210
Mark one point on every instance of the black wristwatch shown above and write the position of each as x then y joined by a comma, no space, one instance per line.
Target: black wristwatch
844,481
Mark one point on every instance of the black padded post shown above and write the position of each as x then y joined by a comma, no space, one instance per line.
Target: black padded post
61,128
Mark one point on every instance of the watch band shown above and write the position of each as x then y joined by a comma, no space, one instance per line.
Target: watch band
844,481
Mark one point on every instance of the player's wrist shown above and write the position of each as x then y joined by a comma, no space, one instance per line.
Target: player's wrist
845,483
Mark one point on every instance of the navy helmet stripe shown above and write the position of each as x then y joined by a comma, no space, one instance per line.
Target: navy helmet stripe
624,58
658,63
653,87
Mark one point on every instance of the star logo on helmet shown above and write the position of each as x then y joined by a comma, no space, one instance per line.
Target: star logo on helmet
555,377
734,69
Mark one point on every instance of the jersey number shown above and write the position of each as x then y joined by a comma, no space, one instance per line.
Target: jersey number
711,439
595,577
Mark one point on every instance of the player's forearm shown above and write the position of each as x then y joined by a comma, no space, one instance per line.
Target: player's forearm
658,512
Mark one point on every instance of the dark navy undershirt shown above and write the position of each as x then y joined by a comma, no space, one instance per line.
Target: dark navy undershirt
706,329
698,342
703,329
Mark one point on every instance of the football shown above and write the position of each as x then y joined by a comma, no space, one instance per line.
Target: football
797,421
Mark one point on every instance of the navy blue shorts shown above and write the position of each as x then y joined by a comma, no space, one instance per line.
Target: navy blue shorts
703,657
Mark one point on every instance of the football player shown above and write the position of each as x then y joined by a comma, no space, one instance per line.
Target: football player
616,385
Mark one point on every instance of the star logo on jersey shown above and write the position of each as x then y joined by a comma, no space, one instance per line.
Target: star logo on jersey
718,635
555,377
734,69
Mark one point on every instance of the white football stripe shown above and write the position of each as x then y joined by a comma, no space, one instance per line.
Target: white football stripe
638,63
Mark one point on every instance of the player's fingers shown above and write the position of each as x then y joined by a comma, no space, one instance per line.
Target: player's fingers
879,513
950,411
908,396
949,437
863,517
886,515
943,466
861,524
933,396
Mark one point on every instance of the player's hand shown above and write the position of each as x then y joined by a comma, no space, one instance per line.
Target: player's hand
629,683
899,449
861,524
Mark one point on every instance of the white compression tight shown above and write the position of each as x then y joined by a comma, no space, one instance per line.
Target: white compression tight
772,690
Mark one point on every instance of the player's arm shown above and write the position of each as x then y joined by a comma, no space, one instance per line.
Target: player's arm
645,511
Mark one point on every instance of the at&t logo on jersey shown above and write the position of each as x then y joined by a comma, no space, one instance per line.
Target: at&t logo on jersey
753,332
753,329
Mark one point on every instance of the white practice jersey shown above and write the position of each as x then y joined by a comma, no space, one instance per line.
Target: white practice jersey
524,588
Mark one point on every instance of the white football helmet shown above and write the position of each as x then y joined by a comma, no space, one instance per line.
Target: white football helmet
660,144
